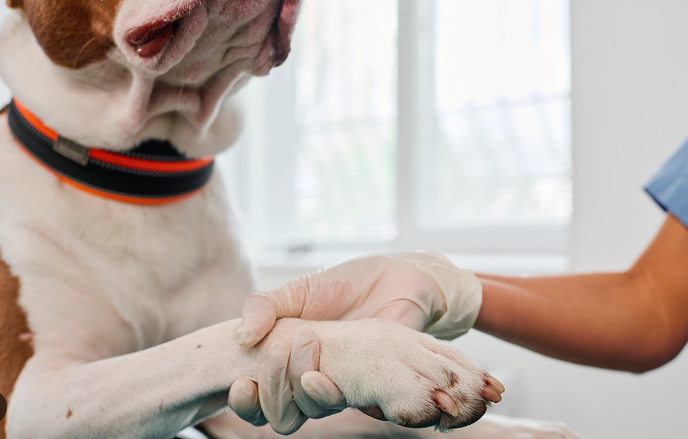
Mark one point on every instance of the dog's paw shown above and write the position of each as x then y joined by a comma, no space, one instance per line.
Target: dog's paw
392,372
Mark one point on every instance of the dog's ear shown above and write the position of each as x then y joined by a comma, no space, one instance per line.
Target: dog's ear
73,33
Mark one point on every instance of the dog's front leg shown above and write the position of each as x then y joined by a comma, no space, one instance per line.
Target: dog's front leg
150,394
385,369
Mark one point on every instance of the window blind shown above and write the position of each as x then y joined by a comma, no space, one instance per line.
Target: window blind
494,144
403,118
329,139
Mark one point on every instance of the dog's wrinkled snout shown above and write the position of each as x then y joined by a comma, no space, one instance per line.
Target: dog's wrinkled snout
150,39
283,29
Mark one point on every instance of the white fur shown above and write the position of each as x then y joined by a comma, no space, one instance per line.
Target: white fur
117,103
122,299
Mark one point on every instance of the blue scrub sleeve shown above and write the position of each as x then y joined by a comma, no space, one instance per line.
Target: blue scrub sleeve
669,186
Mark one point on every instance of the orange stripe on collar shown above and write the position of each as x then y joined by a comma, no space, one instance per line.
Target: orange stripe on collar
148,165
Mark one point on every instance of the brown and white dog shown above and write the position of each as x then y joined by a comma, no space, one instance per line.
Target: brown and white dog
116,317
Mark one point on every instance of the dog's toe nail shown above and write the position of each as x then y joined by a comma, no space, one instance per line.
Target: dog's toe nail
491,395
445,403
495,384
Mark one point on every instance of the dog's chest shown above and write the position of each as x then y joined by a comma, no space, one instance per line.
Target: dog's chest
163,271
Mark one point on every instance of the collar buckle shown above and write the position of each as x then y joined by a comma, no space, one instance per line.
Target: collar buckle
72,150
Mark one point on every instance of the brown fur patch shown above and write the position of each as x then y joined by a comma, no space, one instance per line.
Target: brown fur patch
461,398
373,412
15,347
73,33
452,378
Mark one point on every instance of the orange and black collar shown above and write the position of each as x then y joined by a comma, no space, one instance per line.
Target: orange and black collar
152,173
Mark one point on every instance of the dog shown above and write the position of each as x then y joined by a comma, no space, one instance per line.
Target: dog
122,266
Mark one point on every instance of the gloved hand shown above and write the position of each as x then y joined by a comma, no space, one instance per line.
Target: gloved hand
286,382
424,291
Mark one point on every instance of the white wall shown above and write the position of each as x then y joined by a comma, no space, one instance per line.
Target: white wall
630,98
630,108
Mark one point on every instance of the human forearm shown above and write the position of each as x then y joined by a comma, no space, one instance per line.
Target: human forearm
604,320
634,320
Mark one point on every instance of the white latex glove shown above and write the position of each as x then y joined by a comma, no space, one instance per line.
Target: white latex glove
424,291
280,398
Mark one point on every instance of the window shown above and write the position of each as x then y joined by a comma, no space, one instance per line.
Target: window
493,146
405,124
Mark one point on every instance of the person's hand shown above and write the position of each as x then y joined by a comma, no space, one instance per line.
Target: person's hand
290,389
424,291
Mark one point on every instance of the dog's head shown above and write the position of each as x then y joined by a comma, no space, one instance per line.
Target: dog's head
158,34
166,57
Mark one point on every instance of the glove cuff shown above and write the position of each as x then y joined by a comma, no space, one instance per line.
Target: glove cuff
463,306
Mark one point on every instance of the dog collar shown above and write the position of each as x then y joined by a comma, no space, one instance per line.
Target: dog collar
152,173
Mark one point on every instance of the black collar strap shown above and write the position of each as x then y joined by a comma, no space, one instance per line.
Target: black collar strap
152,173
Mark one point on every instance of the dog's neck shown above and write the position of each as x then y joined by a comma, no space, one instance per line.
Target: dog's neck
105,105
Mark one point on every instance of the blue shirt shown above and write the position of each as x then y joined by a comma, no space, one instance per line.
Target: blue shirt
669,186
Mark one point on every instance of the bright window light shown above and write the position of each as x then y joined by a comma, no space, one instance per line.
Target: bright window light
405,124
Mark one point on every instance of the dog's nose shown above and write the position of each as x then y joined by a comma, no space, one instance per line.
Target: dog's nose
150,39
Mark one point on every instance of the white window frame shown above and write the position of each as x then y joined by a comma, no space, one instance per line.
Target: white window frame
528,248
